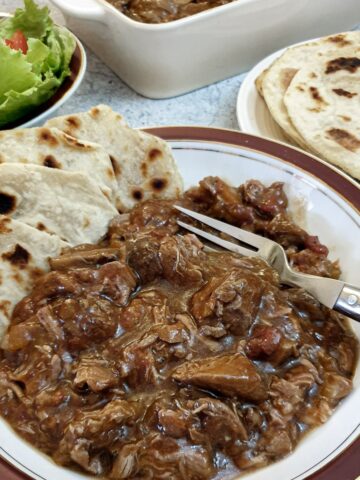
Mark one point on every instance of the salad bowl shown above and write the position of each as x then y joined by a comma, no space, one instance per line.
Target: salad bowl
39,113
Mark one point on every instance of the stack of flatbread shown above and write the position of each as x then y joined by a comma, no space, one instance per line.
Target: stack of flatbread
313,92
62,184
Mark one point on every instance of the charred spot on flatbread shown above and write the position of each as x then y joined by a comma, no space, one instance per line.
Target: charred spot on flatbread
137,194
343,93
158,184
18,278
18,257
7,203
51,162
4,225
41,226
316,95
154,154
115,165
339,40
73,122
345,118
344,138
45,136
144,169
350,64
35,273
75,142
110,173
5,307
94,112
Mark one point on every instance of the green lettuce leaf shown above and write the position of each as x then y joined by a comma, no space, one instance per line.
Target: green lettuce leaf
62,46
55,52
18,104
33,21
68,43
15,72
38,55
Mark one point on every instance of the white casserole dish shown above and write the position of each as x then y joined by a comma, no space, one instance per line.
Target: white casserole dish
164,60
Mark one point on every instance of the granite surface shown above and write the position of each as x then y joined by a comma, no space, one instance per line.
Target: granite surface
214,105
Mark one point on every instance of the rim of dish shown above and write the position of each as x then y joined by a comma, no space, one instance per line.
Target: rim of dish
331,176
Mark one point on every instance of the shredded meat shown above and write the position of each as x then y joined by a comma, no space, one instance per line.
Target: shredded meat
150,357
163,11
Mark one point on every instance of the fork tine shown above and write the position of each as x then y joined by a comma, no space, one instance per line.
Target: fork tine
238,233
219,241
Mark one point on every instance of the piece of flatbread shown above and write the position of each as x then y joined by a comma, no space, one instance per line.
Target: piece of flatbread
259,82
279,75
323,103
24,254
143,164
52,148
68,204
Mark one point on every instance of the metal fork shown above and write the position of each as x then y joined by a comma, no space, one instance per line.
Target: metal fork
340,296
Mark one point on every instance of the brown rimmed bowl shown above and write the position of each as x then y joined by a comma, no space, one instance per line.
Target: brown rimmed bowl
327,203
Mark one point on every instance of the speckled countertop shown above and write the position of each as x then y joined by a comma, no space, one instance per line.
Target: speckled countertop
214,105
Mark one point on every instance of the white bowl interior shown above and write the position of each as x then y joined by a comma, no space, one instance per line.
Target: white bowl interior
322,212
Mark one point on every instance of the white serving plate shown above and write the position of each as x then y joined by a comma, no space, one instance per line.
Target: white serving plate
164,60
323,201
252,112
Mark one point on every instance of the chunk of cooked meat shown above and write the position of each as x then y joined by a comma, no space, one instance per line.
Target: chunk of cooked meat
174,258
94,430
233,375
165,457
263,342
284,231
83,256
234,297
277,442
143,257
180,258
217,199
335,387
173,423
94,373
222,425
310,262
269,201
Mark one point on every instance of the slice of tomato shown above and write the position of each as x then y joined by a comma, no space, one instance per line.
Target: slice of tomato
17,42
